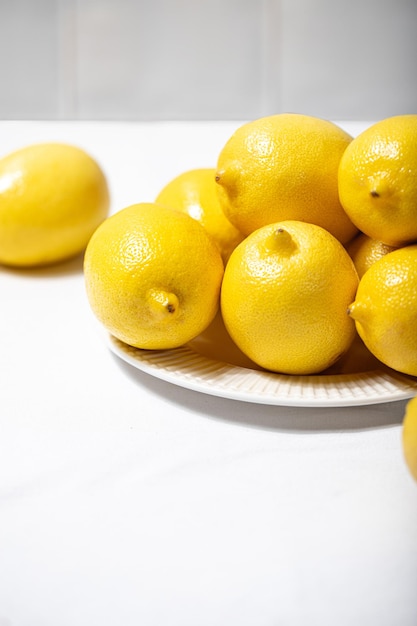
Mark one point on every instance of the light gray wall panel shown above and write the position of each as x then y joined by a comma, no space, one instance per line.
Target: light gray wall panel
165,59
207,59
353,60
29,68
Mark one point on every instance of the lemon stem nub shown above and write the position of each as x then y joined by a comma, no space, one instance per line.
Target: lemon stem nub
379,186
281,241
351,310
164,305
357,312
218,176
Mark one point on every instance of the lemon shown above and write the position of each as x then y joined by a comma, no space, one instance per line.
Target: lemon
153,276
385,309
284,167
378,180
284,298
194,192
52,198
409,436
364,251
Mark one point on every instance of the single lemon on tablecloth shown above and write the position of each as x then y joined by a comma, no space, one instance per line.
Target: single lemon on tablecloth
364,251
385,309
153,276
195,192
52,198
409,436
284,298
284,167
378,180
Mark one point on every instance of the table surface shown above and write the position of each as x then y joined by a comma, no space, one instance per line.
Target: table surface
127,500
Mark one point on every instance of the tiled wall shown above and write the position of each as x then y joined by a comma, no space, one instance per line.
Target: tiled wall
207,59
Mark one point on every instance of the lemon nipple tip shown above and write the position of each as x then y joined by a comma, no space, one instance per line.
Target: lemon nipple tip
164,305
358,311
219,176
281,241
379,186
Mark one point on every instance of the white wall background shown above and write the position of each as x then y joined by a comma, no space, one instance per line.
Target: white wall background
207,59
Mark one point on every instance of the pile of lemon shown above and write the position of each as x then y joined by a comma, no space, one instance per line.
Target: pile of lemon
303,236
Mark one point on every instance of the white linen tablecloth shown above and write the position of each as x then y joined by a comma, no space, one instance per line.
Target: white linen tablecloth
128,501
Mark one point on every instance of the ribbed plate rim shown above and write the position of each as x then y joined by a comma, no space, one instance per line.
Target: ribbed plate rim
189,369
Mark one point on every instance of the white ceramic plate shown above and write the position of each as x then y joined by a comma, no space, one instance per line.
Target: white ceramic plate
198,367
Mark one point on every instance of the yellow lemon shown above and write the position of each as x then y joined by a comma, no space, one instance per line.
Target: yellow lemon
378,180
284,298
153,276
194,192
409,436
364,251
385,309
52,198
284,167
